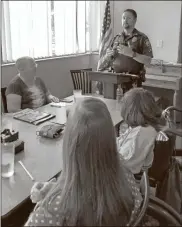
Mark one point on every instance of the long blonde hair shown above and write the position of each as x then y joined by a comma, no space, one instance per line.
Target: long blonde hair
94,190
138,108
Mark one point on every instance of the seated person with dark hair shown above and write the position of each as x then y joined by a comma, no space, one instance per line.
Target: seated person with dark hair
26,90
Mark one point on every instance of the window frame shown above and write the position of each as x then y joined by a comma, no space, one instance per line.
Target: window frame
54,56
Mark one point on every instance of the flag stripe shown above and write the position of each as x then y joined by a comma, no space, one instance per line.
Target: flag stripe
107,40
106,36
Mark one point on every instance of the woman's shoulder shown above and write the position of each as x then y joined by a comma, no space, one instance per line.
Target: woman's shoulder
39,80
15,86
148,131
15,80
130,132
48,216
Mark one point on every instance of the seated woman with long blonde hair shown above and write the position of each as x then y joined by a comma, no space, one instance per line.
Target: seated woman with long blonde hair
94,188
143,118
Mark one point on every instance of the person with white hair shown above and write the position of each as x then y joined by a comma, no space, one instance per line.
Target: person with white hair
94,188
27,90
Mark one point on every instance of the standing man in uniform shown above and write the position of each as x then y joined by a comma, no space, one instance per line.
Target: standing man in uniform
129,51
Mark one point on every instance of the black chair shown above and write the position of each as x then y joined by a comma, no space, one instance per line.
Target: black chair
19,215
165,150
3,96
81,80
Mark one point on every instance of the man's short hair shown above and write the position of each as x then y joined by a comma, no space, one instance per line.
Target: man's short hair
24,62
131,11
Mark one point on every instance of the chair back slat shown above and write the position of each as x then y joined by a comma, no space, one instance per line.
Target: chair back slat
3,98
144,206
81,80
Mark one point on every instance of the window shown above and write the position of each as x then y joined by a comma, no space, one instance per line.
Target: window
50,28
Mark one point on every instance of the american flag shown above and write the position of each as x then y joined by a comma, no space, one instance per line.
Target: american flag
106,35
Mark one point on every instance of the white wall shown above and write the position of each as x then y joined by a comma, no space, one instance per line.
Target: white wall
160,20
54,72
119,7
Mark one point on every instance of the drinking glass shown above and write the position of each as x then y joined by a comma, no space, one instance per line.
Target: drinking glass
7,156
7,150
77,94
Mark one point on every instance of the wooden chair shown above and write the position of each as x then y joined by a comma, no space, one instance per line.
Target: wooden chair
156,208
163,213
3,97
81,80
164,152
145,201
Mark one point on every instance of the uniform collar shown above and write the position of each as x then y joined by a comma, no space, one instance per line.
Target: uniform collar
135,32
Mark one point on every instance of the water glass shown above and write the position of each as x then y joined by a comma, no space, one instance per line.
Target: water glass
7,159
77,94
6,124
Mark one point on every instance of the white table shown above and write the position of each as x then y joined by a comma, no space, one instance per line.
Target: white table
42,157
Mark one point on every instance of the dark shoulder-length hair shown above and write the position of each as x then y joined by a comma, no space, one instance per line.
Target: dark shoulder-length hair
93,187
138,108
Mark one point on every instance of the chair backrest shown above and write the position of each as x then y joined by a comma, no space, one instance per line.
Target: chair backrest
157,209
162,212
163,152
81,80
145,201
3,97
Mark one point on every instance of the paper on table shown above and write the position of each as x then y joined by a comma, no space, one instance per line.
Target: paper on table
60,104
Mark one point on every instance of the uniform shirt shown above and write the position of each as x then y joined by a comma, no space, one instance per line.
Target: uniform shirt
41,218
139,43
32,96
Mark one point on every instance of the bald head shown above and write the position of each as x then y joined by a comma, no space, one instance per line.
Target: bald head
25,64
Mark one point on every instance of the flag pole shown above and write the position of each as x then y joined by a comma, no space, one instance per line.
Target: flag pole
113,18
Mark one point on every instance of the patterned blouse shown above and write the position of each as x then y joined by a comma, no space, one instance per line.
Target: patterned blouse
138,42
39,218
136,146
31,96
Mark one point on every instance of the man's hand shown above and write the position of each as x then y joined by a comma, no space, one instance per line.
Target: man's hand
110,53
127,51
52,98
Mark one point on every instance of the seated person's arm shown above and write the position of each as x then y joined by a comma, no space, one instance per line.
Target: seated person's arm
137,149
50,98
146,144
13,102
149,158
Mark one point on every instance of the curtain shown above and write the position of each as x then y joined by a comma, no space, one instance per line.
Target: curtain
180,38
50,28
